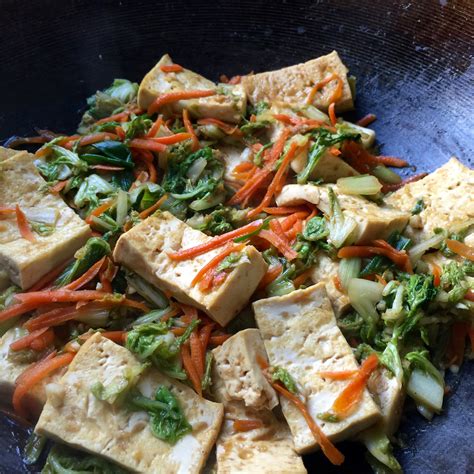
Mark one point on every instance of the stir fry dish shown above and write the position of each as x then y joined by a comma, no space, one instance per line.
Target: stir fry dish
224,277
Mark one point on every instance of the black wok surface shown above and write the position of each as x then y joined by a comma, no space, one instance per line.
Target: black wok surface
413,66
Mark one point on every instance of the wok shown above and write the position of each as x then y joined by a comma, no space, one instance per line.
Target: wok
413,66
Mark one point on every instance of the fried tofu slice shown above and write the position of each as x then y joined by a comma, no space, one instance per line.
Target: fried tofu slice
239,384
325,270
4,280
13,364
293,84
24,261
228,104
74,416
301,335
447,195
6,153
243,380
144,250
373,222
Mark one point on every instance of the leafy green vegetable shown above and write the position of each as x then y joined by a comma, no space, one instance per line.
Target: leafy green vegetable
420,291
258,158
221,220
152,317
34,447
380,450
109,152
418,207
167,420
61,165
196,177
94,249
137,127
41,228
323,139
390,358
340,227
279,374
108,102
328,417
249,127
229,262
91,190
154,342
65,460
419,360
116,392
152,294
258,108
453,279
6,296
207,379
316,229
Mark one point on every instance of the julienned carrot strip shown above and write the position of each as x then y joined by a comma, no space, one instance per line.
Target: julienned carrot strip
196,353
172,139
171,68
332,113
387,188
6,211
179,331
335,96
230,248
58,187
59,296
23,225
329,450
338,375
337,283
247,425
290,220
275,181
43,342
218,340
251,186
88,276
348,399
282,246
270,275
55,317
459,333
49,278
147,144
190,313
129,303
16,310
366,120
121,117
215,242
25,341
106,168
155,128
225,127
97,137
436,270
116,336
204,336
283,210
150,210
301,279
469,295
400,258
171,97
189,128
33,375
190,369
275,226
461,249
98,211
391,161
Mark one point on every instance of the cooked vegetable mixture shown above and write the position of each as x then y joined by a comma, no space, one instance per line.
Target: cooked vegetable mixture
227,277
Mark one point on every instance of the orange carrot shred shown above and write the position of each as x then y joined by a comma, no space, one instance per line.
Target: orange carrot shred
215,242
196,353
225,127
332,113
25,341
335,96
436,270
23,225
171,97
116,336
98,211
279,243
366,120
189,128
97,137
171,68
461,249
85,278
247,425
349,398
190,369
33,375
147,144
218,340
155,128
150,210
271,274
338,375
55,317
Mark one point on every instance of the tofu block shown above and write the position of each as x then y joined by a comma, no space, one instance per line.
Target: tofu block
301,335
144,249
387,391
24,261
228,104
243,379
294,83
12,365
296,194
74,416
6,153
4,280
268,449
325,270
447,194
373,221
